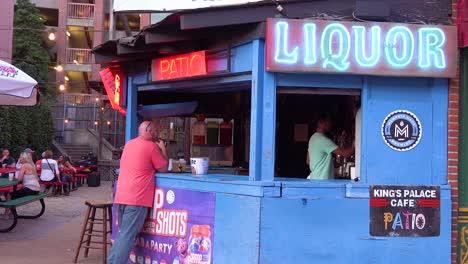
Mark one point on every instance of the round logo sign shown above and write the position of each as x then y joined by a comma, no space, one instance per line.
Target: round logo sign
170,197
401,130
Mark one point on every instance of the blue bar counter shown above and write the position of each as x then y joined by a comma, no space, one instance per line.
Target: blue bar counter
282,221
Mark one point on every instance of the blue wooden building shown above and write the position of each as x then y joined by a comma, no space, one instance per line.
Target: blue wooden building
398,72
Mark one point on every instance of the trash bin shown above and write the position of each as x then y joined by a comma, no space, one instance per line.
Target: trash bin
94,179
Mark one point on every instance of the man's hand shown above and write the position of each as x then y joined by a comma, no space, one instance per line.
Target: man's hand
161,144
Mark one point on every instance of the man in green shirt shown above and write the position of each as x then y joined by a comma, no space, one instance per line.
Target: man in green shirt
321,150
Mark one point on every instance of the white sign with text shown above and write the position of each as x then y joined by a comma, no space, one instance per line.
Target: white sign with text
171,5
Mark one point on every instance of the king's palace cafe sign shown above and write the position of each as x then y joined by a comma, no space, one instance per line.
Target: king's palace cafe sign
306,46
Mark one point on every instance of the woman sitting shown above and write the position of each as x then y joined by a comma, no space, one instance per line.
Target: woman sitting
64,163
49,169
67,170
28,175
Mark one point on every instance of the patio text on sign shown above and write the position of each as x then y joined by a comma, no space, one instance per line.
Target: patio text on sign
117,89
181,66
404,210
360,48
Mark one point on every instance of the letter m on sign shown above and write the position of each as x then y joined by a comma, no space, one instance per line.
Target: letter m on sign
401,131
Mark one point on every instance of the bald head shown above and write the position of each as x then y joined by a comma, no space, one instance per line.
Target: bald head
147,130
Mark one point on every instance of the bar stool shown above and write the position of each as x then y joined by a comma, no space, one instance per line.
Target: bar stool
89,229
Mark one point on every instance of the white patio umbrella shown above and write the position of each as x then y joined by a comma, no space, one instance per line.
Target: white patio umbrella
16,87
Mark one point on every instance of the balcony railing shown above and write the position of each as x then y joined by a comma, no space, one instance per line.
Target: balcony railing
80,11
79,56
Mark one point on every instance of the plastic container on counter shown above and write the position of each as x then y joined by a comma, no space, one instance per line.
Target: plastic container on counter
212,132
199,133
225,133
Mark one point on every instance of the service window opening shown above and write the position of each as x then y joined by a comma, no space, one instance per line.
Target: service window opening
201,123
297,117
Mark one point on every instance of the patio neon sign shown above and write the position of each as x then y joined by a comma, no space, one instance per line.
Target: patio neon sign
360,48
181,66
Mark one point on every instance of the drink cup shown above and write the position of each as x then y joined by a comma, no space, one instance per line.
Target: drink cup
11,176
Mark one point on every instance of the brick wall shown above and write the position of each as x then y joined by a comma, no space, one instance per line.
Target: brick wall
453,159
453,141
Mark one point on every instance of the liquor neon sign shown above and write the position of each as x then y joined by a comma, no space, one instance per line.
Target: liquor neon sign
181,66
360,48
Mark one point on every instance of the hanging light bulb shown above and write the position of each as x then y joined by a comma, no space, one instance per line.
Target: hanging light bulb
68,33
62,87
52,36
108,123
58,68
66,78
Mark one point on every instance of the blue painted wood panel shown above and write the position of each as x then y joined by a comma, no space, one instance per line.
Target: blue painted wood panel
263,118
320,80
336,230
131,117
426,163
440,131
219,183
241,60
237,229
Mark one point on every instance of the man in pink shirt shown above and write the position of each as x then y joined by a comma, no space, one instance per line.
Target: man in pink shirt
141,157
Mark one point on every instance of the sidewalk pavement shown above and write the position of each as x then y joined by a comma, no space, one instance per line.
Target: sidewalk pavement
53,237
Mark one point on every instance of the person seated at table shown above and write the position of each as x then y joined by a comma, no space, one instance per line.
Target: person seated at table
66,169
65,163
39,162
28,175
83,162
18,164
6,161
92,160
49,169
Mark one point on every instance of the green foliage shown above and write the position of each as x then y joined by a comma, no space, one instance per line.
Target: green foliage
23,127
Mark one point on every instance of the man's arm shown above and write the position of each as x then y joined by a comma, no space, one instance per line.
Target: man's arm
308,158
346,152
12,163
160,160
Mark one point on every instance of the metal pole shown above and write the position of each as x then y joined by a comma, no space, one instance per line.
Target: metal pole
101,127
94,114
111,20
115,128
64,117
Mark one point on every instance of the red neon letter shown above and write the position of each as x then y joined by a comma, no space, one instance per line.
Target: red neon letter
196,66
117,90
173,73
163,69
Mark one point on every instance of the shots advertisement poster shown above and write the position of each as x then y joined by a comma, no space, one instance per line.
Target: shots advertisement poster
405,210
179,229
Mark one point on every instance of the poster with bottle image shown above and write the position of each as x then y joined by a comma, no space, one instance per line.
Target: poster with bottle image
179,229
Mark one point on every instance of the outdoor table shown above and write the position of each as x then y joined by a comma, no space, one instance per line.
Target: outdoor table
67,170
80,169
7,170
7,183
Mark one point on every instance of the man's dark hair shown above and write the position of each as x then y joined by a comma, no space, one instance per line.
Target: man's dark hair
324,116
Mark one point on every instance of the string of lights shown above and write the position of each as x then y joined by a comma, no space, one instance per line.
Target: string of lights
54,29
